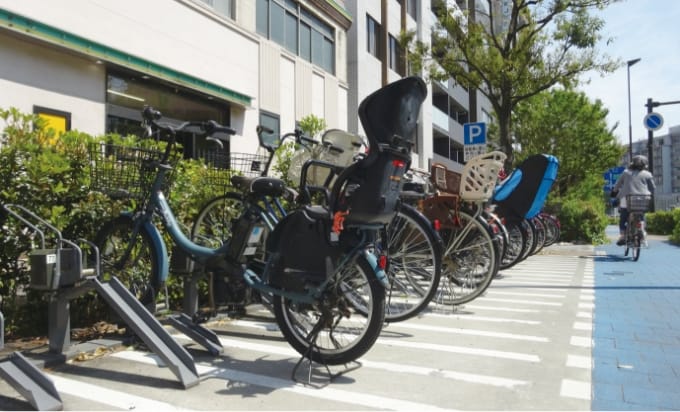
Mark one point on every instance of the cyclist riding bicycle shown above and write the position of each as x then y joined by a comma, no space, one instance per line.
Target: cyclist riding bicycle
635,180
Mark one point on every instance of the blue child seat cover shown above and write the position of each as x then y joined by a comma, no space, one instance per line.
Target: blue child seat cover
524,192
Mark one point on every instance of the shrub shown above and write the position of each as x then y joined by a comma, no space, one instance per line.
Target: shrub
582,214
661,222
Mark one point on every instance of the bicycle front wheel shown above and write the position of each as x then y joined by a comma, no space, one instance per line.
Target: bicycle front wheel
415,264
343,325
132,260
470,261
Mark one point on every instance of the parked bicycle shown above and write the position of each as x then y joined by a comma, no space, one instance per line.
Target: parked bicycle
325,281
471,247
413,246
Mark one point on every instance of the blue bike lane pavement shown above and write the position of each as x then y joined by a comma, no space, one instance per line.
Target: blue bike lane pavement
636,327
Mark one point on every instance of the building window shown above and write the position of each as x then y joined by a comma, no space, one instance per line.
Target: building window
298,30
412,9
396,57
56,120
221,7
372,36
128,92
273,122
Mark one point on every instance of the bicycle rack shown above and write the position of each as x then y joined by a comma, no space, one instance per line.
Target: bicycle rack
60,271
30,382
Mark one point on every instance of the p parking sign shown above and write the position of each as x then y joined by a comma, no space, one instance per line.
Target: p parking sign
474,139
474,133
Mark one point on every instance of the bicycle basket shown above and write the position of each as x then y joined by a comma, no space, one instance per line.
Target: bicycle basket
638,203
480,175
124,172
222,165
445,180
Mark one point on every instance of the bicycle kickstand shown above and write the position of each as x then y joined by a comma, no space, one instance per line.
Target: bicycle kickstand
312,337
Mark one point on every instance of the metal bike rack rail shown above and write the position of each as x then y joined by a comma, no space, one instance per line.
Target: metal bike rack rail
59,271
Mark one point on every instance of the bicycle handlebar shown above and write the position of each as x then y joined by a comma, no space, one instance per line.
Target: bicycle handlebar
207,128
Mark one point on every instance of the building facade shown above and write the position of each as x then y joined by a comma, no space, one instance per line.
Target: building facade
666,166
375,59
91,65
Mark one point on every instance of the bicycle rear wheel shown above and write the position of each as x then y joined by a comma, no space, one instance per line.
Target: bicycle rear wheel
470,261
415,264
343,325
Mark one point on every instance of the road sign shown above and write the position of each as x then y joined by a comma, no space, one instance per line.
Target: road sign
474,133
474,139
653,121
611,176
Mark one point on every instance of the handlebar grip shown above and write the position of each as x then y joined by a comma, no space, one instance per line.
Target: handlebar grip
306,139
264,129
149,113
214,127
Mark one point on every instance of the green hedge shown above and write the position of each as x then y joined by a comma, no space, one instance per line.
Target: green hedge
51,177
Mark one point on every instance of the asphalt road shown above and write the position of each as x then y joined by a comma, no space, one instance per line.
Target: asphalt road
525,345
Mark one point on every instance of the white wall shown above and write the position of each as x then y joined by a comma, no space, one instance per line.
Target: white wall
32,75
161,31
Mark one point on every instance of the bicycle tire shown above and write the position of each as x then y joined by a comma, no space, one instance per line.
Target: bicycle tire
515,247
552,228
415,264
140,272
530,239
470,262
499,230
636,248
539,230
213,228
349,332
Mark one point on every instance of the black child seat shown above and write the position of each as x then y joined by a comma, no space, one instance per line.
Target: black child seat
522,194
365,195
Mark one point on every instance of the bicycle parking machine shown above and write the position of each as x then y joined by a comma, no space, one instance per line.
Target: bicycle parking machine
58,268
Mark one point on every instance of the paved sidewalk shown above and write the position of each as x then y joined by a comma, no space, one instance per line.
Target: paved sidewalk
636,328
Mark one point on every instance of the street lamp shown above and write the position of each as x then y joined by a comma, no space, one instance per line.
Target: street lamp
630,128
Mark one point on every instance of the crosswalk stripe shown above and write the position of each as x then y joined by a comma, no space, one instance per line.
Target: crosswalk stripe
109,397
327,393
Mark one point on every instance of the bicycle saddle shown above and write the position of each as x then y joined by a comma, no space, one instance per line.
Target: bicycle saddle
266,186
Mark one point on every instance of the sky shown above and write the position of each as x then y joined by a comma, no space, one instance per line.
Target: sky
648,30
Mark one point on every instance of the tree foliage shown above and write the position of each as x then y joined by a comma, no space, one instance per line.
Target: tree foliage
568,125
511,55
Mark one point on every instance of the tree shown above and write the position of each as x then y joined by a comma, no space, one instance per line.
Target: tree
566,124
512,54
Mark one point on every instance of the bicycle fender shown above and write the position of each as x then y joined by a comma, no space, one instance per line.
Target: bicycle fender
379,273
162,261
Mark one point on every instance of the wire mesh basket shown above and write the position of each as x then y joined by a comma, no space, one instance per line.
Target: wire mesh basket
124,172
445,180
638,203
222,165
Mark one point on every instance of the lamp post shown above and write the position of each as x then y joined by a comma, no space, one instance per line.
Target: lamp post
630,128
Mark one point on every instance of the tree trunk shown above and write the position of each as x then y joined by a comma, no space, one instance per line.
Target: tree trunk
504,129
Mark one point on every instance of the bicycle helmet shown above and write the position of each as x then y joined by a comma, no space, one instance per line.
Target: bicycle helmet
639,162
